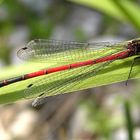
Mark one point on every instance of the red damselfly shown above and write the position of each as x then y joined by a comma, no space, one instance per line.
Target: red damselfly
82,58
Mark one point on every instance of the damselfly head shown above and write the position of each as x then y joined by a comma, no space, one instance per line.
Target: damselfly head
134,46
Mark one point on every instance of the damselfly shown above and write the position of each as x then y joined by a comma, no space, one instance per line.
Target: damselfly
80,58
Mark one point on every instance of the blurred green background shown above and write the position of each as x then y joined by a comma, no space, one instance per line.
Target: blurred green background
103,113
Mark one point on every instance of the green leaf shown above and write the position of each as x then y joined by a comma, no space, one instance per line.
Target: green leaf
131,11
106,6
123,10
115,72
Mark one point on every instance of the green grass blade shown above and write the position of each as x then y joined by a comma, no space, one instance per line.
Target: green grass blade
106,6
115,72
123,10
129,120
131,11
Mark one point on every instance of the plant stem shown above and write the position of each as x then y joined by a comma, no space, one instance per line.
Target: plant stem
129,122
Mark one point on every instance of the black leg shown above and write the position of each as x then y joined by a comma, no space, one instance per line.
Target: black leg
133,62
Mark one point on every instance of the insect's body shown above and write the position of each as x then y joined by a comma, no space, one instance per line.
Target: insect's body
74,55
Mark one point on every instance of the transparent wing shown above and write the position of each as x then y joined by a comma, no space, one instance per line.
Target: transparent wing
41,50
61,82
